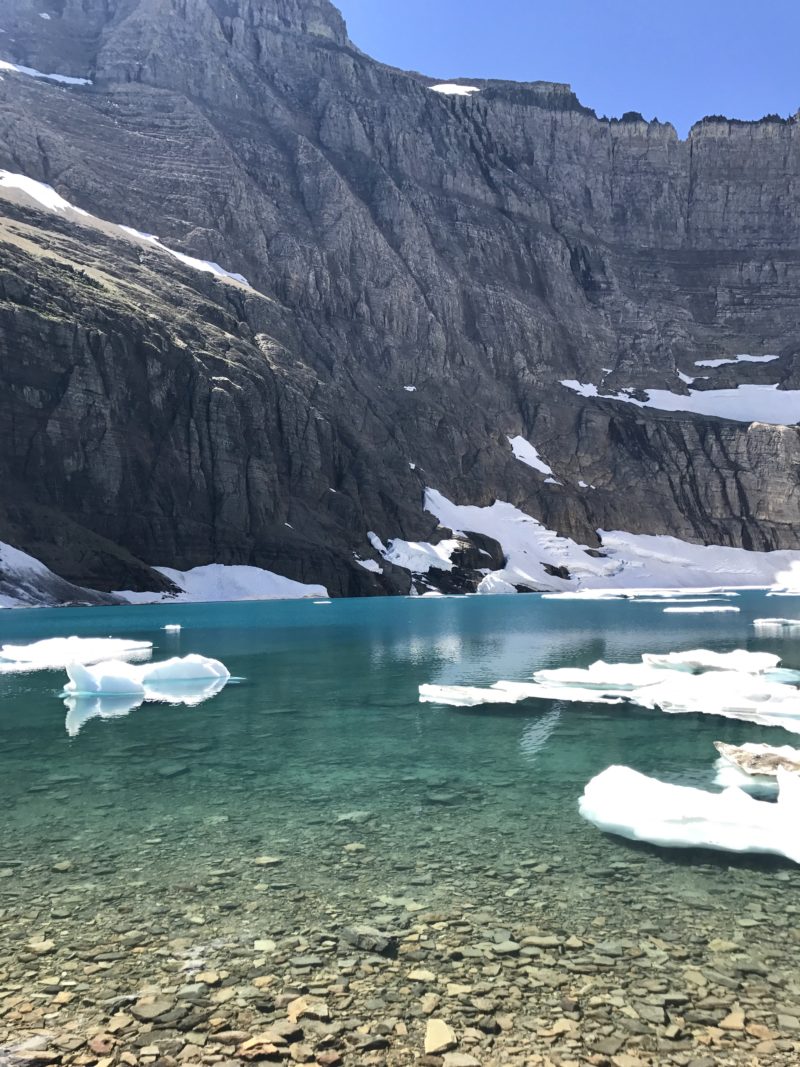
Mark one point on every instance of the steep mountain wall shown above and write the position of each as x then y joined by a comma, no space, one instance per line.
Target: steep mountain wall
480,249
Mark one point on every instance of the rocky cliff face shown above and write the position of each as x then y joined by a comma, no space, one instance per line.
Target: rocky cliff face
480,249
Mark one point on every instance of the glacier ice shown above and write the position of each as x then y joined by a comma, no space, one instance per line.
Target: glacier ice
622,801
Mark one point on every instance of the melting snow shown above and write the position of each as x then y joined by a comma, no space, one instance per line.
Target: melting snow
525,452
745,403
370,565
630,561
63,79
48,198
450,89
622,801
44,195
197,264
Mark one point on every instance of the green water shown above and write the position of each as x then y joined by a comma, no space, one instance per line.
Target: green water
161,814
326,719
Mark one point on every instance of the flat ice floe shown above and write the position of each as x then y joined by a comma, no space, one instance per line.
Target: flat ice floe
702,659
624,802
56,653
719,609
757,691
216,582
745,403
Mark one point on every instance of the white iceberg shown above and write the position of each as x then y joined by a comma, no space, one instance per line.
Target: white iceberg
624,802
118,678
55,653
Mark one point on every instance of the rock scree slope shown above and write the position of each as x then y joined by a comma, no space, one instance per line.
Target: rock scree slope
480,248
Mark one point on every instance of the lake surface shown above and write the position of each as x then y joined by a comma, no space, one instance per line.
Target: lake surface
316,793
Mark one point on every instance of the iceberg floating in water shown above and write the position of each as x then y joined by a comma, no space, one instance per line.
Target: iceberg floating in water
622,801
118,678
110,690
56,653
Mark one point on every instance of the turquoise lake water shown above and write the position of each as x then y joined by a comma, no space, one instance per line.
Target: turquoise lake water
316,791
326,719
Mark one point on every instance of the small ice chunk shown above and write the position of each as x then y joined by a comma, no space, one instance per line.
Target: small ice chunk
172,627
410,388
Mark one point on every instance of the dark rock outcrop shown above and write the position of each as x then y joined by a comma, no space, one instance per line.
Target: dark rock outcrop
479,248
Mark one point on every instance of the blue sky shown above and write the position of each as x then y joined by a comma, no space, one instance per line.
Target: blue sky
676,60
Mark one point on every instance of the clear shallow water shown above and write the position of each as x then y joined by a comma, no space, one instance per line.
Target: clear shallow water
162,813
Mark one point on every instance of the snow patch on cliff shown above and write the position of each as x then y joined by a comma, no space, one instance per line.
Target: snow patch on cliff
46,197
525,452
745,403
735,359
62,79
629,561
450,89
